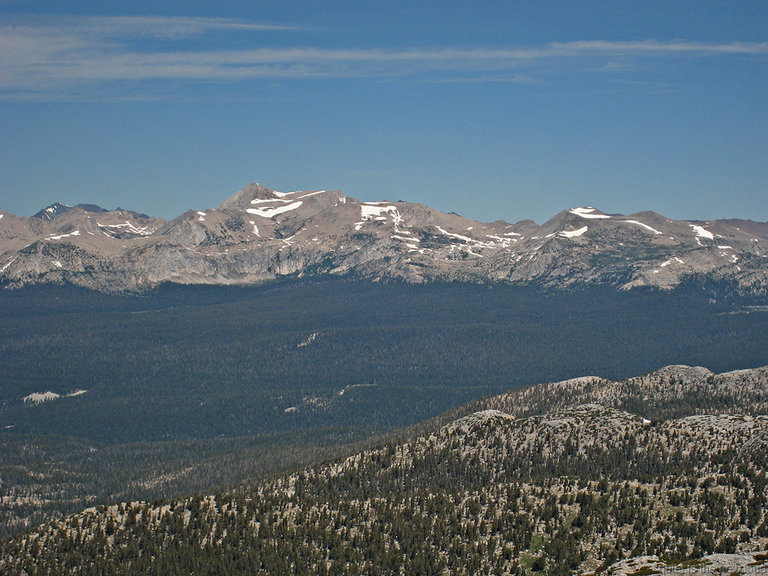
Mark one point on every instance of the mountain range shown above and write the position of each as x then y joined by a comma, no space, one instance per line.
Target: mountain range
259,234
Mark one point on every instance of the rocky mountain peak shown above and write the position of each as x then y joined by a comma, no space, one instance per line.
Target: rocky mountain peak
243,198
50,212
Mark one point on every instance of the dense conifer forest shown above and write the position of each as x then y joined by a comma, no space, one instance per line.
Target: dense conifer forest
197,390
573,491
206,362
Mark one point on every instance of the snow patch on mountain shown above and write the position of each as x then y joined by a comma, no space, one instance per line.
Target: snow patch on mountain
377,211
574,233
702,232
587,212
107,228
466,239
673,259
60,236
268,201
643,225
374,212
272,212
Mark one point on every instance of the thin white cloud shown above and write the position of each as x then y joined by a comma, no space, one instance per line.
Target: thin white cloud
173,27
78,55
165,27
652,47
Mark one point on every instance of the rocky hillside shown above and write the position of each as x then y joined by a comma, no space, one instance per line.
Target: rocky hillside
582,489
259,234
672,392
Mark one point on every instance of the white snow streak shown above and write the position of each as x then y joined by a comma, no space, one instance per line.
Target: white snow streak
312,193
269,200
643,225
573,233
142,231
587,213
9,263
272,212
466,239
75,233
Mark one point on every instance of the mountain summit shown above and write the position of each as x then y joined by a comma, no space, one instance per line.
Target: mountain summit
259,234
50,212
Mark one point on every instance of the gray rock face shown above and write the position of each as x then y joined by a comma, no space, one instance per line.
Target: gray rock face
260,234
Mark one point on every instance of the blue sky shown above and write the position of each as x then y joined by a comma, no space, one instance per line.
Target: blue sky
495,110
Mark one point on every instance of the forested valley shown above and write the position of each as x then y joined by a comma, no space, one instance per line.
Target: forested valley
197,389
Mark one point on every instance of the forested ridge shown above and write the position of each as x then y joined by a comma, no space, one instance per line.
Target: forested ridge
574,491
569,490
